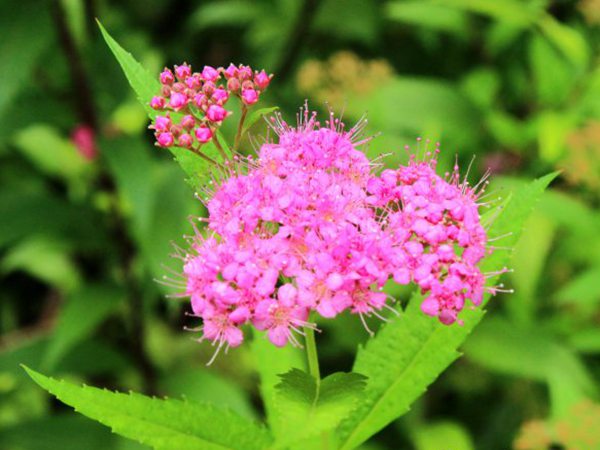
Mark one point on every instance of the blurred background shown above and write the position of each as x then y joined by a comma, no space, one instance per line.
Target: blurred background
89,207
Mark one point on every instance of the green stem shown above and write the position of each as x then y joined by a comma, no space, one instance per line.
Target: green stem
238,135
311,353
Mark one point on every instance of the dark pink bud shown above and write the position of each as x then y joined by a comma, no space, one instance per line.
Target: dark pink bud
262,80
157,102
178,101
210,73
183,71
193,82
185,140
216,113
188,122
230,72
233,84
83,138
249,96
208,88
199,100
162,123
203,134
245,73
165,91
166,76
165,139
220,95
178,87
176,130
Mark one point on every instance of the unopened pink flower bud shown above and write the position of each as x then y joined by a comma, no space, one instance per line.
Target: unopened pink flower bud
188,122
185,140
262,80
208,88
193,82
166,76
203,134
220,95
157,102
178,101
165,91
210,73
165,139
216,113
178,87
249,96
199,100
162,123
83,137
183,71
230,72
245,73
233,84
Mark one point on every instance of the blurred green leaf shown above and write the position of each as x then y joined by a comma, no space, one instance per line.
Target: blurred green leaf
270,362
515,12
582,292
85,309
553,129
222,13
586,340
441,435
44,258
529,260
19,47
161,424
309,407
428,15
410,351
568,40
50,152
349,20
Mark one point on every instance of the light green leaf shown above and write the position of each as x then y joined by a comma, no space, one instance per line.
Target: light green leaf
514,12
568,40
84,310
308,407
429,15
257,115
50,152
160,424
45,258
410,351
441,435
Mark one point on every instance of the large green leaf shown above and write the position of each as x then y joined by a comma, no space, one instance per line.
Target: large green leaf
410,352
160,424
307,407
146,86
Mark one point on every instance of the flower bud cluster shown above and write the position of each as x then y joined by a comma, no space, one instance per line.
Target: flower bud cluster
193,103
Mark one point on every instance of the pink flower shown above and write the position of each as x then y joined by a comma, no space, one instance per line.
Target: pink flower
165,139
203,134
84,139
185,140
220,95
230,72
166,77
178,101
210,73
262,80
216,113
157,102
249,96
183,71
188,122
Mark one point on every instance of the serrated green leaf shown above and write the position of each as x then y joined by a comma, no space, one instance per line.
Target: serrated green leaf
160,424
309,407
257,115
410,351
146,86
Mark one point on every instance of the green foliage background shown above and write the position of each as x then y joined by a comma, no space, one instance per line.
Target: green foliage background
82,242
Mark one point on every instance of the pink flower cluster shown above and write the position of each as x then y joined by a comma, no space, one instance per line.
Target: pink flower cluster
309,226
198,100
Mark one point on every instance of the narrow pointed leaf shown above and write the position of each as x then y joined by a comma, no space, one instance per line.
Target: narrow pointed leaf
410,352
160,424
